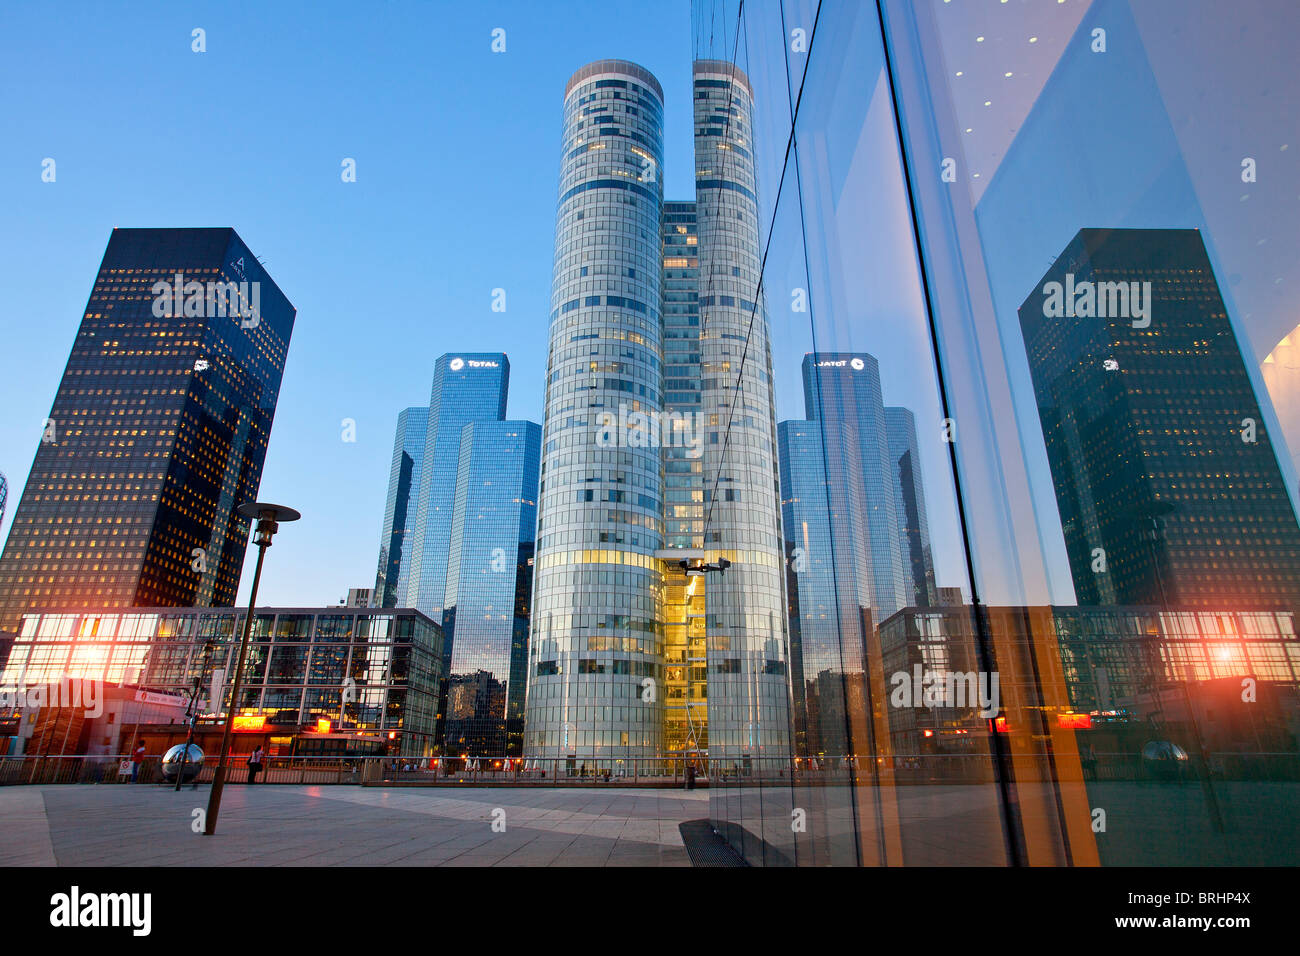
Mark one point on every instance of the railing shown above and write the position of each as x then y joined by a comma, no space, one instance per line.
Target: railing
114,769
898,770
562,771
109,769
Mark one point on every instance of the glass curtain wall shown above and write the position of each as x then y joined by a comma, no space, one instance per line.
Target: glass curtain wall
1026,268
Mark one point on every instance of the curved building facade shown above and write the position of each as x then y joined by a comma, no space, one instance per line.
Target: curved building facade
748,680
596,649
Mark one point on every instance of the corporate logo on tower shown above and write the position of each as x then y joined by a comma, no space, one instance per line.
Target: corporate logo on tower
458,363
856,364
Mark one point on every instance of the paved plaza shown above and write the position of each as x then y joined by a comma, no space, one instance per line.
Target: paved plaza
323,825
148,825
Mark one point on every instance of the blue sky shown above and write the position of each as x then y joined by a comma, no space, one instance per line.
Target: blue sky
457,158
457,152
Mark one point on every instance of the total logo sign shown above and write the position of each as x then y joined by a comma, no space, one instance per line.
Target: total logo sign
856,364
458,363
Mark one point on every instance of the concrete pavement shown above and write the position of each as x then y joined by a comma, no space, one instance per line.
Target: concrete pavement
148,825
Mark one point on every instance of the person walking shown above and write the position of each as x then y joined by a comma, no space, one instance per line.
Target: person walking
137,758
255,763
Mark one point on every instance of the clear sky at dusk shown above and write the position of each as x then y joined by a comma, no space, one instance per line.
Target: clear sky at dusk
457,157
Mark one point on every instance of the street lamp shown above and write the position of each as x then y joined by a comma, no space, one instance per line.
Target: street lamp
268,518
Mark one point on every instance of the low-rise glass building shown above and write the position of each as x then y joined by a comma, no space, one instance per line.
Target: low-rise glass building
340,670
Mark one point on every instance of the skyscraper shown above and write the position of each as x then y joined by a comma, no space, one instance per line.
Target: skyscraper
748,670
845,387
913,523
489,578
158,431
828,581
467,387
395,539
596,633
857,538
1168,486
660,441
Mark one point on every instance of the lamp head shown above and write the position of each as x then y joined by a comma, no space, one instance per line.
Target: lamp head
268,518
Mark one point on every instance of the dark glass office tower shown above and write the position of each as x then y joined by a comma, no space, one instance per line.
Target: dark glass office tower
913,523
845,387
489,585
158,431
467,387
400,507
1168,486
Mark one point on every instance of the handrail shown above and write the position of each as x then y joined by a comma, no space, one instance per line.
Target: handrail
601,771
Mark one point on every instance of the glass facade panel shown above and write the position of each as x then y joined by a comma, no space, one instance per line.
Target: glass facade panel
394,658
1039,511
401,507
467,387
489,588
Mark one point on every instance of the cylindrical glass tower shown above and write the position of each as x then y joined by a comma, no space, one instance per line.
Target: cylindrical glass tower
596,648
745,607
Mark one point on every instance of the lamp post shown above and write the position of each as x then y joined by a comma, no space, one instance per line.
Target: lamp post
268,518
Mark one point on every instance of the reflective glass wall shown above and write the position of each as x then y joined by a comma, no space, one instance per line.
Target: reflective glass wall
1025,268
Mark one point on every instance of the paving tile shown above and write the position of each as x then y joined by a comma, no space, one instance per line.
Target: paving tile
315,825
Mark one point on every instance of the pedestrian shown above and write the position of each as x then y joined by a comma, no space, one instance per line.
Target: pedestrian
137,758
255,763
